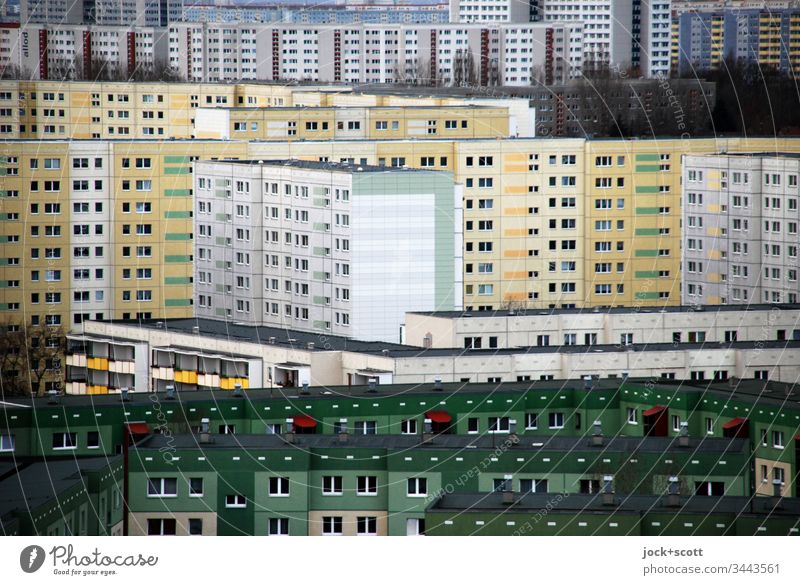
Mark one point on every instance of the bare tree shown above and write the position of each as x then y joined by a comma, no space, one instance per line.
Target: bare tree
464,71
30,356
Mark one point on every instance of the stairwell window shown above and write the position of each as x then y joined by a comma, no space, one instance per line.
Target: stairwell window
279,486
162,487
417,487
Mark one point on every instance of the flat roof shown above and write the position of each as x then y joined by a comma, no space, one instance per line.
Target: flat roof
609,310
470,106
316,165
33,485
780,394
492,502
265,335
456,442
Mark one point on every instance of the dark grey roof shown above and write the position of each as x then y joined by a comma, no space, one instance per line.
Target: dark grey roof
440,442
261,334
341,167
756,391
633,504
609,310
36,484
300,340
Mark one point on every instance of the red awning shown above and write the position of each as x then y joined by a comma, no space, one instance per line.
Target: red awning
655,410
438,416
138,428
733,423
304,421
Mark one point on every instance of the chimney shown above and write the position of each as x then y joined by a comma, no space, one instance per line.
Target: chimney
597,434
674,492
205,433
310,345
608,490
195,329
775,501
437,383
170,392
271,341
683,438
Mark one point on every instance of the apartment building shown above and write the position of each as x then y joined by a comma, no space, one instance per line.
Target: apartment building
703,40
105,12
740,236
620,199
420,54
718,440
680,515
513,11
99,229
213,354
309,14
694,324
366,123
156,110
324,246
80,51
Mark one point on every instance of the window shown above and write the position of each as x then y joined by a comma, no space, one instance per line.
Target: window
65,440
278,527
556,420
278,486
408,427
159,487
332,525
366,485
633,416
709,425
365,427
472,425
536,486
93,440
235,501
417,487
195,487
6,443
777,439
161,527
531,420
195,526
366,525
709,488
332,485
499,424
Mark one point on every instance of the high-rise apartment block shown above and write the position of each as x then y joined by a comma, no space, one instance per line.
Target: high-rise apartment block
740,229
326,247
703,40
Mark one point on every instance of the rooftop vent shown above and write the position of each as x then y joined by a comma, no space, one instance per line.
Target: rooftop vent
271,341
437,383
170,389
53,396
195,329
123,394
683,438
373,385
674,492
608,490
205,432
597,434
237,390
310,345
305,388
